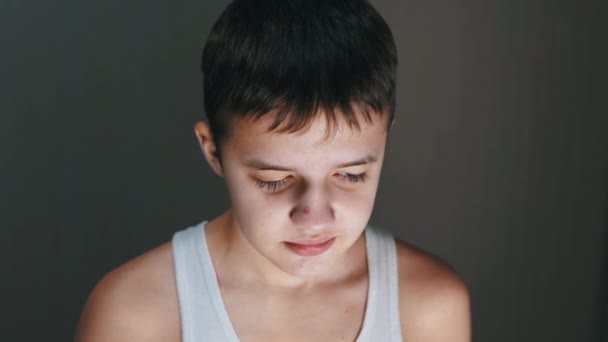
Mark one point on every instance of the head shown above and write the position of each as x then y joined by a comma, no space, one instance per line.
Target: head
299,97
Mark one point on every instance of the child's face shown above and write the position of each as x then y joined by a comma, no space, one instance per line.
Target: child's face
289,190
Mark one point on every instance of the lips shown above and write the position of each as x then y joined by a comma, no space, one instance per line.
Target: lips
311,248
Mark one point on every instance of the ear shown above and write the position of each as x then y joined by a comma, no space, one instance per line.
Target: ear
205,140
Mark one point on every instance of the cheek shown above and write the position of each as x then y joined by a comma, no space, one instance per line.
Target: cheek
356,205
254,208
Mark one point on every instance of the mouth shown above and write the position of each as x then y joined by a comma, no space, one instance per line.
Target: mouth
310,248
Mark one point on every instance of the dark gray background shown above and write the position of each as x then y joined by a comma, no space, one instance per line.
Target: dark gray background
497,162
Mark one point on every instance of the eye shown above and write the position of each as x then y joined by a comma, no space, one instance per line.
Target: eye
353,178
273,186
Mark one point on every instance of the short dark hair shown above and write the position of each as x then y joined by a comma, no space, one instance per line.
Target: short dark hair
296,58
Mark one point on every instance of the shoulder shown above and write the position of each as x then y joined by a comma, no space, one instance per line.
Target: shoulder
135,302
433,299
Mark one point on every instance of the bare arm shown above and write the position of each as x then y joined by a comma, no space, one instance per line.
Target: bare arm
434,301
135,302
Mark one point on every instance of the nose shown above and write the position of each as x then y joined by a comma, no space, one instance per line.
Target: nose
313,210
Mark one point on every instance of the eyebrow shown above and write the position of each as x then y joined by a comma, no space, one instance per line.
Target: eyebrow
262,165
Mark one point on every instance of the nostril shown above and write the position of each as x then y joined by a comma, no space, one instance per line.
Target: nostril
299,211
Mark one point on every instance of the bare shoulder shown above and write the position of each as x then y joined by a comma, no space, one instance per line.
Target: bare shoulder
135,302
433,299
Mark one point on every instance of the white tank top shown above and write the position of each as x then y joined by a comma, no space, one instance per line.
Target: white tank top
204,316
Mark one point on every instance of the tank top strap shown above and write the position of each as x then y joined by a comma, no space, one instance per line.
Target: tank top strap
199,296
382,321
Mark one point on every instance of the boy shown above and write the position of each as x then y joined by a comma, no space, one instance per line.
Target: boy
299,96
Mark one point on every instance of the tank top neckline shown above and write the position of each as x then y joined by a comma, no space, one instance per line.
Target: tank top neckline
210,277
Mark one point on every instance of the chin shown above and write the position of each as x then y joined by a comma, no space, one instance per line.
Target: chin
307,267
305,272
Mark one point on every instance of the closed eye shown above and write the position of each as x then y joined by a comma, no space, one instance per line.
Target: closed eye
272,186
353,178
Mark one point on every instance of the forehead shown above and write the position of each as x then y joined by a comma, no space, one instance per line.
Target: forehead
253,138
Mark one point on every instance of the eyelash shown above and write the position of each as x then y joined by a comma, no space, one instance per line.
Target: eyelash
274,186
271,186
362,177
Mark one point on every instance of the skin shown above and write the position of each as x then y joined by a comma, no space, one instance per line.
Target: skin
286,188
